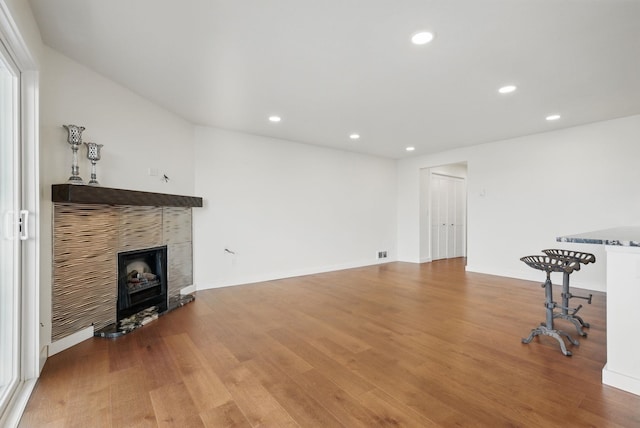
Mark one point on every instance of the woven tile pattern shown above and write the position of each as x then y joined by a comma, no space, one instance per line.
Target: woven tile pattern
84,268
139,227
176,224
180,267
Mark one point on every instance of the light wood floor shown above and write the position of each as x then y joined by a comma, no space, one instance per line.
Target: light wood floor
391,345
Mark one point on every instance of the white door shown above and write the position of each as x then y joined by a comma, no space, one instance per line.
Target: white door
452,207
10,233
448,217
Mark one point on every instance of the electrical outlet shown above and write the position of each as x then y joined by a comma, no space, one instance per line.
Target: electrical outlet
382,254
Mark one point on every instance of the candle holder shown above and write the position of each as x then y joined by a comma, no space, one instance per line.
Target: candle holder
93,154
75,139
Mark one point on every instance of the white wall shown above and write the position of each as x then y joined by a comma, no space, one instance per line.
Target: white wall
137,135
287,208
536,188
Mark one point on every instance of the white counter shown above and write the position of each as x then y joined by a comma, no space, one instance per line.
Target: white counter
623,303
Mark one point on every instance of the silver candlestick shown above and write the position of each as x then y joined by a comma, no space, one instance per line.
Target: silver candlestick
93,154
75,139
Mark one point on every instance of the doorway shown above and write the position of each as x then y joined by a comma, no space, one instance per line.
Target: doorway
10,239
443,219
19,233
448,214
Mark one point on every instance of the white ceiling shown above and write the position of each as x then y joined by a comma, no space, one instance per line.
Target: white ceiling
334,67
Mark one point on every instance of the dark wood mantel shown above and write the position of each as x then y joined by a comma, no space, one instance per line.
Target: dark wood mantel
84,194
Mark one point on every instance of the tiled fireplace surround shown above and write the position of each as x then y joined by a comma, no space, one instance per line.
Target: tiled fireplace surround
90,227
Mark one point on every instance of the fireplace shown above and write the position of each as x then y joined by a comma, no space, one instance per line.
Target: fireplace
142,281
91,226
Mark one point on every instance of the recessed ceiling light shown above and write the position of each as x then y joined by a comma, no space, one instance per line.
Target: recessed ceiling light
275,119
422,38
507,89
553,117
354,136
410,149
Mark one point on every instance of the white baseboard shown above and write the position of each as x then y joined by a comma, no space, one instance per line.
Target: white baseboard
188,290
288,274
508,274
620,381
533,276
71,340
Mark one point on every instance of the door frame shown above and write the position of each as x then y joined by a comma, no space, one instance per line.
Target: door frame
426,194
29,317
464,212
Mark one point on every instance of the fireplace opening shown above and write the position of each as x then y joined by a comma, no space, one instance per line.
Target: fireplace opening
142,281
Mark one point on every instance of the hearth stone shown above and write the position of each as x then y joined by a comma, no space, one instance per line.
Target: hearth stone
129,324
